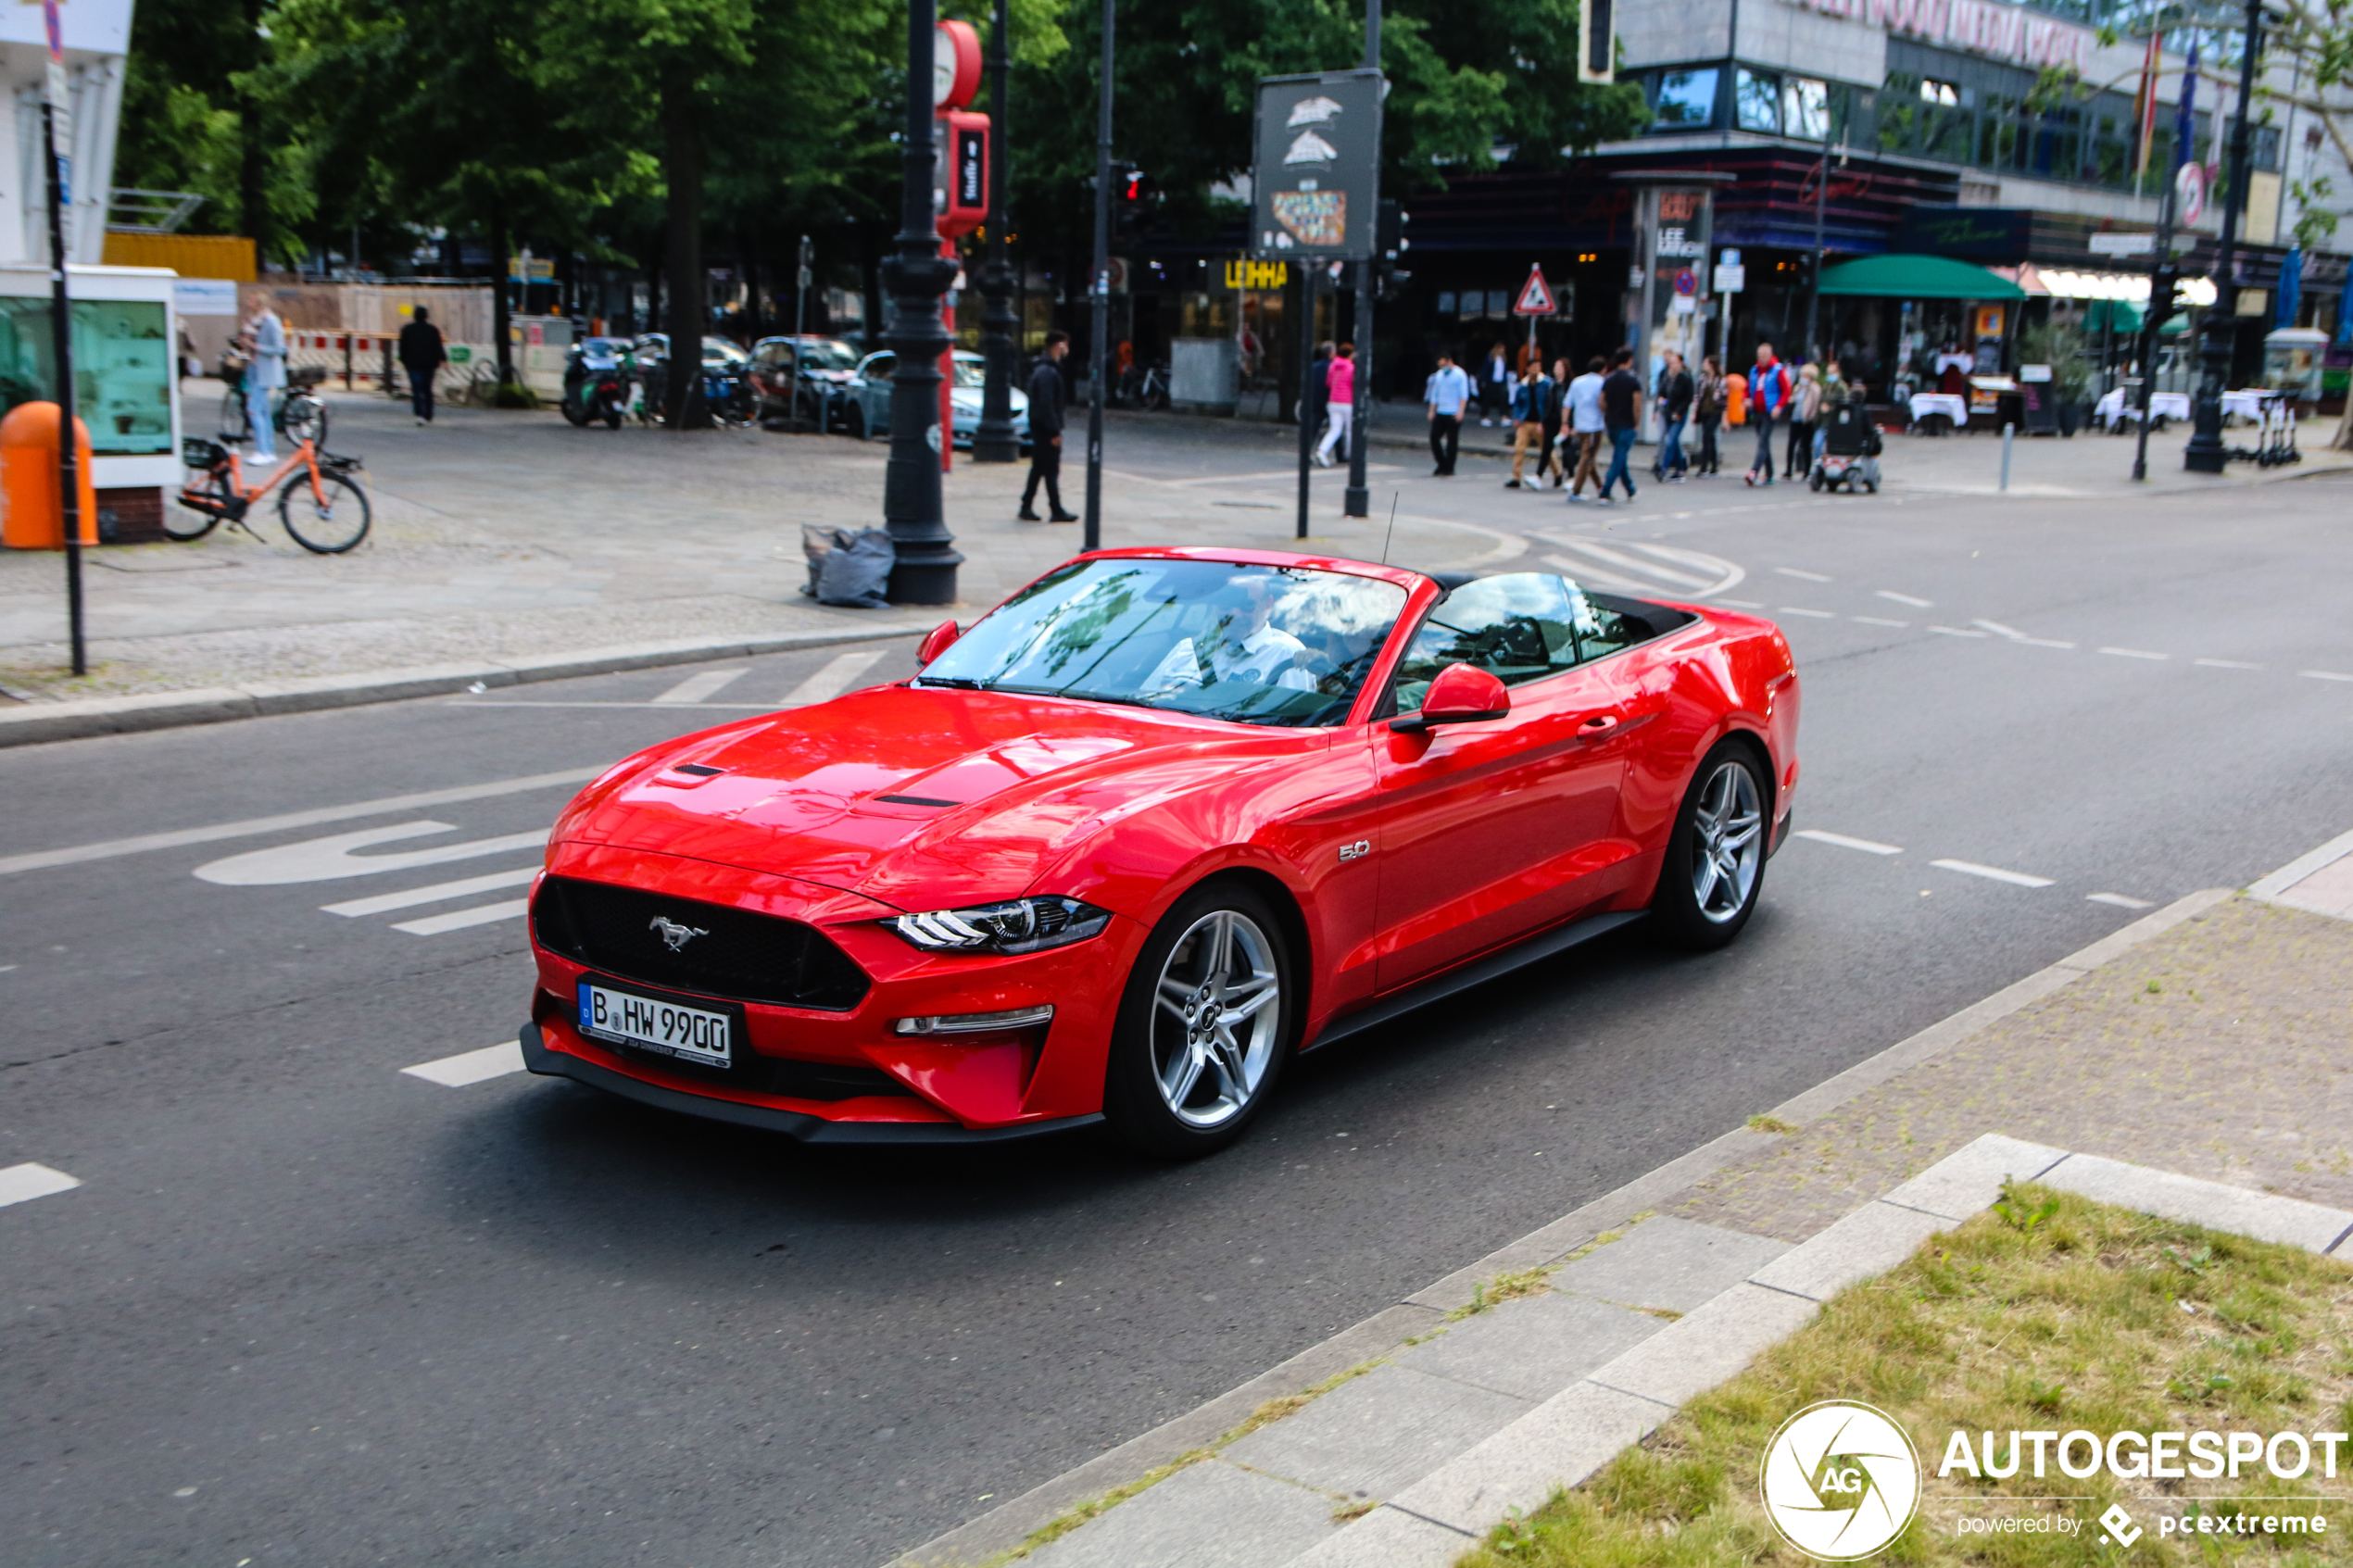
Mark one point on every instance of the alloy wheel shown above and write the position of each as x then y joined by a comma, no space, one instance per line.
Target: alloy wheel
1218,1004
1728,843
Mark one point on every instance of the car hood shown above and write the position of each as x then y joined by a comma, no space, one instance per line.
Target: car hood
917,798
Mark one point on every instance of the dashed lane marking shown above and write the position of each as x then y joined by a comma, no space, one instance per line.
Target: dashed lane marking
1739,604
2120,901
1868,847
2226,664
2013,634
1810,614
325,860
253,827
1906,600
697,688
1879,620
457,920
2136,653
21,1184
1956,631
1992,873
437,893
1804,576
833,680
2323,675
471,1067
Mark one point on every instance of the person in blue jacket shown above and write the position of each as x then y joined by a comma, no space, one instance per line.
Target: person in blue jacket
1769,395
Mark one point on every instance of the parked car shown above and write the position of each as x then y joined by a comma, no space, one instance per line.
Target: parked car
827,366
1157,823
715,350
866,398
726,383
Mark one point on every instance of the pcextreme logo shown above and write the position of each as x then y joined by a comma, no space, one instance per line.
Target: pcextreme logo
1840,1481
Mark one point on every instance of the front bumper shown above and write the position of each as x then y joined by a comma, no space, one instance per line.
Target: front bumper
769,1119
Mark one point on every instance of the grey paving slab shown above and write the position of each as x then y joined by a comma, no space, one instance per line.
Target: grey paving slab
1869,1241
2211,1204
1971,1176
1667,1262
1533,1347
1558,1444
1377,1435
1703,1349
1387,1539
1211,1516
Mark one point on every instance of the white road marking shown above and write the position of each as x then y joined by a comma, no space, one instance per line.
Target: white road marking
1810,614
1739,604
2135,653
1906,600
831,680
1632,565
471,1067
694,688
1869,847
457,920
1807,576
1727,574
324,859
2120,901
2226,664
2323,675
1956,632
110,848
21,1184
1992,873
527,702
1877,620
2015,636
383,902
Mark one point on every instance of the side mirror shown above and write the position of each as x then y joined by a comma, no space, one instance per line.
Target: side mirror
937,641
1463,694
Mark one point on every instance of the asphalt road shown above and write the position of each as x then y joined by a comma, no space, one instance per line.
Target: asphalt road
307,1309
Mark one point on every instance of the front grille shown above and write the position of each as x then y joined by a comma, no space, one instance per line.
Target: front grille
733,953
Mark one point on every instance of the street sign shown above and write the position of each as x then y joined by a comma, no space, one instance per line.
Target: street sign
1535,295
959,171
1687,281
2189,193
1316,186
1731,277
2121,245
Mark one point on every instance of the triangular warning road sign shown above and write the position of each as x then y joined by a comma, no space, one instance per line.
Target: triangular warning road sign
1535,295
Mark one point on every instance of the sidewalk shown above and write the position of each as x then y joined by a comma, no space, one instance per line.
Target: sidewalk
504,538
2192,1065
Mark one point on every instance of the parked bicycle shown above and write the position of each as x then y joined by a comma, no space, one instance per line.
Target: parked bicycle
323,510
294,409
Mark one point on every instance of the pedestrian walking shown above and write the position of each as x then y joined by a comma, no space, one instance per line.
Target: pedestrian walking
1315,392
421,356
1586,424
1621,414
265,345
1769,395
1804,412
1446,394
1555,415
1676,394
1340,401
1531,409
1046,434
1707,412
1495,386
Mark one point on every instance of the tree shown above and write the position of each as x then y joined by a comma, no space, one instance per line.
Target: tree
190,122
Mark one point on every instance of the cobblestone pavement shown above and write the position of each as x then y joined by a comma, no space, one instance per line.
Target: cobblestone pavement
2219,1049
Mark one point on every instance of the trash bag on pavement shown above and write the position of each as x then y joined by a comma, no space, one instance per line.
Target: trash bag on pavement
857,573
819,540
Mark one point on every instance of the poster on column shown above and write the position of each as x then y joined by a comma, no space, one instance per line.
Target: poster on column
1315,184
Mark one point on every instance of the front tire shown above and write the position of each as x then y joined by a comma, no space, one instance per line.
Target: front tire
1204,1026
327,528
1714,866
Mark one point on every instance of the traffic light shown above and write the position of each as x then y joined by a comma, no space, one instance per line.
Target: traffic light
1133,195
1391,244
2164,286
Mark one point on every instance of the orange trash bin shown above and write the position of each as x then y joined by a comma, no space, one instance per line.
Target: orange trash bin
34,518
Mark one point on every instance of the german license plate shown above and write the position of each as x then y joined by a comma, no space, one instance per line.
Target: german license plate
653,1023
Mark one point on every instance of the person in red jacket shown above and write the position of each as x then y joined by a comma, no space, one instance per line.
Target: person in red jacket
1769,395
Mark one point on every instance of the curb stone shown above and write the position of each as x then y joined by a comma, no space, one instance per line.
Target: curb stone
1004,1528
36,723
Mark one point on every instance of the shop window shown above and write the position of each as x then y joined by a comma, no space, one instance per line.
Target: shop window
1805,108
122,370
1446,302
1944,92
1685,98
1757,96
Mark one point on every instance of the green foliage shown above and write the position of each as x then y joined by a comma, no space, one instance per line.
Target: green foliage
2020,1212
2063,348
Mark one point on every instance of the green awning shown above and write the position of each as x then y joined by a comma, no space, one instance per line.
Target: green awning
1917,276
2111,314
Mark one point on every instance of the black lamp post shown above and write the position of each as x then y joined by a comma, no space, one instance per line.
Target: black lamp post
2206,453
995,441
916,278
1356,500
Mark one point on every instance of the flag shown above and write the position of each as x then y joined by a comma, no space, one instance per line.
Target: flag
2145,110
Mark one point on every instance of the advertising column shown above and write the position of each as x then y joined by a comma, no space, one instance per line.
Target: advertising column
1673,226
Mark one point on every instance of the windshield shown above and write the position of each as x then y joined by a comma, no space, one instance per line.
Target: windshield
972,371
605,348
1256,644
719,351
827,356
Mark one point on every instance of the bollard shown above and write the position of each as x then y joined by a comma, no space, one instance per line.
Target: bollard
2008,431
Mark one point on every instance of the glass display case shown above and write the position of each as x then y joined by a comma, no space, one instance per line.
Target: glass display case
122,370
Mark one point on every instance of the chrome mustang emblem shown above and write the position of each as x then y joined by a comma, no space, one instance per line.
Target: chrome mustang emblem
673,936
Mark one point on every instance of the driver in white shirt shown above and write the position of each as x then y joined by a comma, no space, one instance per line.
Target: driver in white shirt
1244,647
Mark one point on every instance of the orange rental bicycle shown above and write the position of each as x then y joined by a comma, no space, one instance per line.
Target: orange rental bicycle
324,510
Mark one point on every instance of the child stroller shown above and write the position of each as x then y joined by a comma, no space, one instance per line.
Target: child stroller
1850,450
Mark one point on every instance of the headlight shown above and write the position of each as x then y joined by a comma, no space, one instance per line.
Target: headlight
1019,925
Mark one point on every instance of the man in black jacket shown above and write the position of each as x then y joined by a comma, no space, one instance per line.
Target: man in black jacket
421,356
1676,390
1046,434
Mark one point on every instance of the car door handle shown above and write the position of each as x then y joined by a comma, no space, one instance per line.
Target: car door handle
1597,726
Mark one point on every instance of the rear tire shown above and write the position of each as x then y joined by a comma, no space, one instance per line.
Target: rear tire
1715,867
184,522
329,529
1205,1025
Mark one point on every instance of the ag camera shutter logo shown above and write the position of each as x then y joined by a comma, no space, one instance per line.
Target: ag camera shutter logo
1840,1481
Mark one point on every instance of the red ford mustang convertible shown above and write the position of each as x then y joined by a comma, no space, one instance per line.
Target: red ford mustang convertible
1159,822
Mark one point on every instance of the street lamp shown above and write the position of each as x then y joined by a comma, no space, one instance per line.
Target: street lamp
2206,453
917,278
996,441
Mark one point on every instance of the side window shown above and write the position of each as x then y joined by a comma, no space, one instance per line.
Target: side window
880,367
1601,632
1519,627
